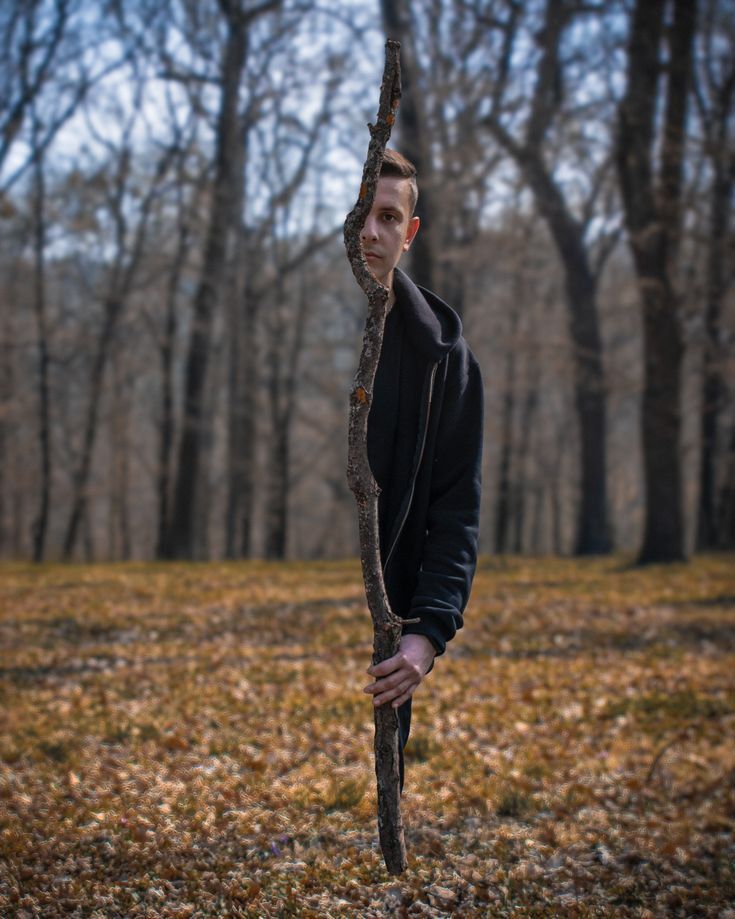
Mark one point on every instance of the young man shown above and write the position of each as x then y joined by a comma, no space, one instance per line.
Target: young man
425,450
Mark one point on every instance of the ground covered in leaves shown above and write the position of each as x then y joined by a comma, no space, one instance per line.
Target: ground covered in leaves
193,740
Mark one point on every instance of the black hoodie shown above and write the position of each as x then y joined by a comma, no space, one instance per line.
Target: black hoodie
429,403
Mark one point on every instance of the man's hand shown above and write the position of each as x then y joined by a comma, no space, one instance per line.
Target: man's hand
400,675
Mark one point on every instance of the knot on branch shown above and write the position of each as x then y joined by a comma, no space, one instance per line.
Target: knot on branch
393,622
361,395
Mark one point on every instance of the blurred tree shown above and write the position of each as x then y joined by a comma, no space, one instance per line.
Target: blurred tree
534,148
31,35
414,139
726,507
714,93
652,199
286,318
508,505
47,67
237,19
49,62
40,524
190,179
129,202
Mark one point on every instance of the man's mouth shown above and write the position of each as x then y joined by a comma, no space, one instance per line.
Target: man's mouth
371,255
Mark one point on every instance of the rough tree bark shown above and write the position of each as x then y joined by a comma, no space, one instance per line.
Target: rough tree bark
386,625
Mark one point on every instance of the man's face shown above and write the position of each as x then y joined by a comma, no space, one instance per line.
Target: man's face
389,229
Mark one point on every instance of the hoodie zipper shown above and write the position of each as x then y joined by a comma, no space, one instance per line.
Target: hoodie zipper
416,468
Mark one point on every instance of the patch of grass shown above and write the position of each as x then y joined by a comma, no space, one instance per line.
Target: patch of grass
420,748
148,731
681,705
345,794
513,802
535,771
57,752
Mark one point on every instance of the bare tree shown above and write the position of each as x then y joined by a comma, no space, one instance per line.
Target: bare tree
443,95
129,248
530,149
508,491
237,20
241,420
653,215
40,524
31,39
188,194
43,66
714,85
726,508
414,139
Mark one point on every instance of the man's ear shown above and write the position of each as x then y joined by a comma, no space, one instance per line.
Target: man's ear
413,228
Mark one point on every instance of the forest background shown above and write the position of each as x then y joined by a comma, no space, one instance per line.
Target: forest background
179,326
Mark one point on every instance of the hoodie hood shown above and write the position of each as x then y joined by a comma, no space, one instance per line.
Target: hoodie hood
431,324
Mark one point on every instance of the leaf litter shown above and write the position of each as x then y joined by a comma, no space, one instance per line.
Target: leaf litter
193,740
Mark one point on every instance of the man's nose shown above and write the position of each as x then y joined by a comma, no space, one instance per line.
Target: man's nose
369,229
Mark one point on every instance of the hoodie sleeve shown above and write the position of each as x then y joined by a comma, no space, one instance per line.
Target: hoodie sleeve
450,551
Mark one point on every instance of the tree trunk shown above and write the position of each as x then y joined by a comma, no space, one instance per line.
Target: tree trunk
283,389
181,538
7,501
503,505
166,353
80,480
713,383
277,496
726,505
528,412
236,355
40,524
249,429
555,487
241,419
121,546
413,140
653,221
593,528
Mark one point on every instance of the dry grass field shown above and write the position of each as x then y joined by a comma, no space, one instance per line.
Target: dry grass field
193,740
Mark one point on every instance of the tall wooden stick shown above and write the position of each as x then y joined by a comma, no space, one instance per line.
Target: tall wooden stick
386,625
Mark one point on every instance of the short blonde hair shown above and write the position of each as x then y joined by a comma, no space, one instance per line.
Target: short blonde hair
396,164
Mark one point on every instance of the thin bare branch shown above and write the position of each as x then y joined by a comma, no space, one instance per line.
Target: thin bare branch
386,625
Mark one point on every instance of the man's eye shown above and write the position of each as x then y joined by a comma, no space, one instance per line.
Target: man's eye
389,217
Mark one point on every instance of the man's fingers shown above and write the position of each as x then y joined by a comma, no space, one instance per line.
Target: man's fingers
404,698
387,666
405,687
396,680
407,673
387,682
